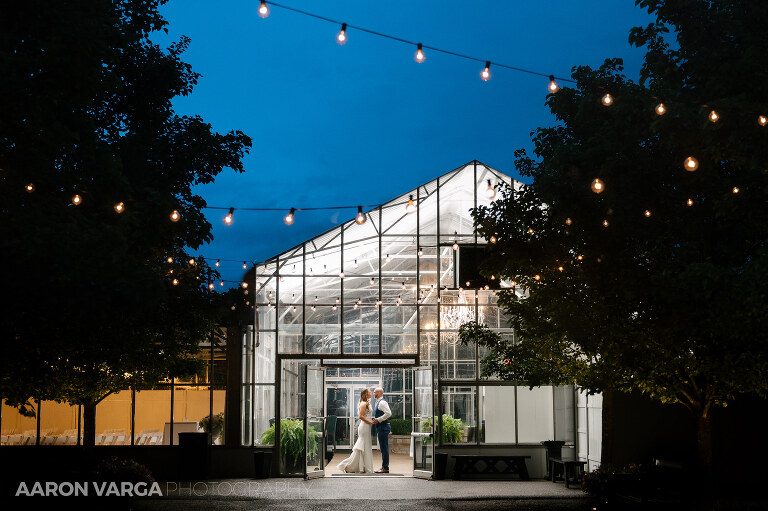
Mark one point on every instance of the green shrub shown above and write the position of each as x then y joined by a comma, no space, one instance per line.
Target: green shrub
400,426
291,438
453,429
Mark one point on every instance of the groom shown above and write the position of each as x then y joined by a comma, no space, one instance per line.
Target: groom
381,414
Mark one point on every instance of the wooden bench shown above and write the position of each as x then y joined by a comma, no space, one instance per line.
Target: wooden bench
571,468
467,464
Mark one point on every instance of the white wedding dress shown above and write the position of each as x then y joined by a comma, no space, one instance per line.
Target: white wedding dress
361,460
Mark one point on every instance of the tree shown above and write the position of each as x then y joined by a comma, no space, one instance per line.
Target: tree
659,283
87,110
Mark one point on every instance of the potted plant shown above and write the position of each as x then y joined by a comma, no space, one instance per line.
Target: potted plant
214,427
292,442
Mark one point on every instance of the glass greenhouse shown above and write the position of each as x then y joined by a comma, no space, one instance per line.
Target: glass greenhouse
377,302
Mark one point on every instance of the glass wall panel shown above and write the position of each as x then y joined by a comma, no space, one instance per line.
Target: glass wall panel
264,414
399,329
323,329
323,290
16,428
218,427
361,290
428,208
395,219
535,421
497,414
290,328
361,329
113,419
428,270
153,416
191,404
459,415
447,267
58,423
457,198
292,403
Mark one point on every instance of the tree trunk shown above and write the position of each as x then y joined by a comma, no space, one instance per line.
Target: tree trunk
606,442
704,447
89,426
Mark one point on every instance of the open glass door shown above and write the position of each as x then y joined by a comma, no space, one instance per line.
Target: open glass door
314,423
423,423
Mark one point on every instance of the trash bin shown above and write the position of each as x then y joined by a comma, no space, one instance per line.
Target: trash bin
194,455
441,464
262,464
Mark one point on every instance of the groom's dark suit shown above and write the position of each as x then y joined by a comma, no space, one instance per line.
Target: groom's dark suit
382,412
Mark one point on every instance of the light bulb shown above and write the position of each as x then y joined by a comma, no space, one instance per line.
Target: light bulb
735,190
228,219
553,86
455,246
170,259
191,260
387,260
691,164
334,307
341,274
605,223
360,218
263,9
419,56
403,285
580,257
372,282
218,263
568,221
661,109
175,216
30,187
245,265
341,38
689,202
210,286
493,239
355,306
713,117
421,252
530,230
597,186
289,217
221,284
647,213
245,285
762,120
175,282
311,272
410,207
485,74
491,191
537,277
356,265
77,200
607,100
119,207
560,268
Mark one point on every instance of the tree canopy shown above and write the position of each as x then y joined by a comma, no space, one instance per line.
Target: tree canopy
659,282
95,305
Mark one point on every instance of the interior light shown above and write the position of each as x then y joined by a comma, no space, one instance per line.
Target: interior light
410,207
421,252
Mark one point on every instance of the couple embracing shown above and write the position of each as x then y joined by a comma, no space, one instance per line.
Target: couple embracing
374,419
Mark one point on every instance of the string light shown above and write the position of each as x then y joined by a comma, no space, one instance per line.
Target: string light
689,202
661,109
580,257
191,260
30,187
493,239
175,216
211,286
560,268
713,117
245,266
537,277
372,282
360,218
735,190
356,265
690,164
419,56
530,230
228,219
410,207
245,285
597,186
491,191
607,100
403,286
647,213
455,243
341,38
175,282
762,120
387,260
221,283
289,217
605,223
263,9
119,207
341,274
485,75
170,259
421,252
218,263
553,86
77,200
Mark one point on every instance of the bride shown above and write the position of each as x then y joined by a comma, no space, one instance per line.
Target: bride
361,460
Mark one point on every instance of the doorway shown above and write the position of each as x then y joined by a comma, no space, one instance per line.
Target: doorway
341,404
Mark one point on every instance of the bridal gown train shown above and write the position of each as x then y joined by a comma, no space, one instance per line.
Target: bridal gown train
361,460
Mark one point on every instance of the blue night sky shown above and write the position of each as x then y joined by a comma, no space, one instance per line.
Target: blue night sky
362,123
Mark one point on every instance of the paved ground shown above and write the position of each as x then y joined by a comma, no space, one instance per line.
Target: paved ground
398,463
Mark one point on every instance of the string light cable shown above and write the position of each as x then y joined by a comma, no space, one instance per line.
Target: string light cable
422,47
